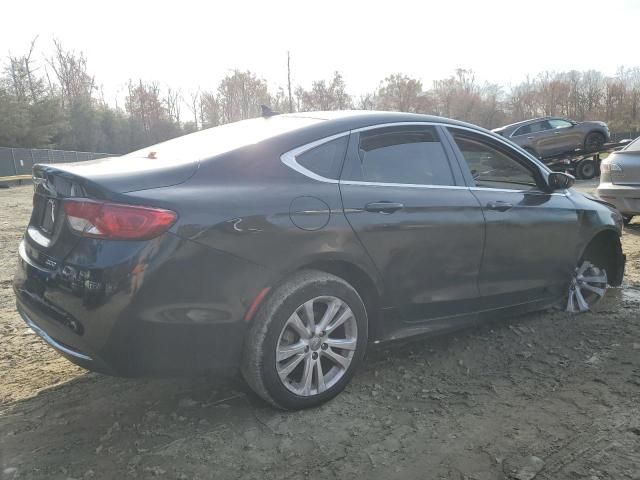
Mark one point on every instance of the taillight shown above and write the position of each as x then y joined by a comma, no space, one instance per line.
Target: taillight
116,221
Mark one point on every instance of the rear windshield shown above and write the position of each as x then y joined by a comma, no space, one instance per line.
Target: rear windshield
633,146
217,140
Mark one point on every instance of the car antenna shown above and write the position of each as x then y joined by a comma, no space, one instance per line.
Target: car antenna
267,112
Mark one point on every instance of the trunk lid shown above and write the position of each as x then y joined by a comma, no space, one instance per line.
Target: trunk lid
48,238
629,162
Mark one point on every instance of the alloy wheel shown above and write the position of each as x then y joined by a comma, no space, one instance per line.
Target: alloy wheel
316,346
588,285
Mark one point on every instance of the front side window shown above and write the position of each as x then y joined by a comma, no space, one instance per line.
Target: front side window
491,166
406,155
559,123
532,128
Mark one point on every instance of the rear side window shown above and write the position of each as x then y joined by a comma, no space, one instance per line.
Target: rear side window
326,159
532,128
407,155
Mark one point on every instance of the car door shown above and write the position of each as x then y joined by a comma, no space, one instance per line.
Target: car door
531,235
420,224
565,138
541,137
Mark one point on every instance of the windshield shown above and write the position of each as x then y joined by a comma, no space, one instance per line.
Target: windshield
217,140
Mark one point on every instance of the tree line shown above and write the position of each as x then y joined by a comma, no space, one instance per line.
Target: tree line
57,103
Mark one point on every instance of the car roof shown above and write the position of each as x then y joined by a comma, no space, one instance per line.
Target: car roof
353,119
524,122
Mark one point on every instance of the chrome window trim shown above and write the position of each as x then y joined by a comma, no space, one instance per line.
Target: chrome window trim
413,185
524,192
289,158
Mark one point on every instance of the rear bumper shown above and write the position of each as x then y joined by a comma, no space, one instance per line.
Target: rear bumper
626,199
162,323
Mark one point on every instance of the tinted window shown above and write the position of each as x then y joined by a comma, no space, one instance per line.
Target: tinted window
490,166
558,123
409,155
532,128
326,159
522,130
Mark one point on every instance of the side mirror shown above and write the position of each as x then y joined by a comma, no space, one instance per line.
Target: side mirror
560,181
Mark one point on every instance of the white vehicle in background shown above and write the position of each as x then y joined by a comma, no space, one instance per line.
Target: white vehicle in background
620,180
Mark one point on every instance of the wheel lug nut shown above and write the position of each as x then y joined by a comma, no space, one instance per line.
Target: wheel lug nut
314,355
324,346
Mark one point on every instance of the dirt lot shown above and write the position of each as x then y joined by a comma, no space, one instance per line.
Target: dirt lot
547,395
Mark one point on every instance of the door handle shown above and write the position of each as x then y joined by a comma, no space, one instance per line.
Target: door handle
383,207
499,206
529,138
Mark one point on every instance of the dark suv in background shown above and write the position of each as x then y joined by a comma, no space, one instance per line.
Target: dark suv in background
549,136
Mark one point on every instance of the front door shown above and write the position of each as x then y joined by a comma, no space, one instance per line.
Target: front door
423,229
530,234
565,137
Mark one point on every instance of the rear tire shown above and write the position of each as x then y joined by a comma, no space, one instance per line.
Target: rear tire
320,368
594,141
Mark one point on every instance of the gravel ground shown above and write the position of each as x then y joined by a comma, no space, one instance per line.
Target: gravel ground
548,395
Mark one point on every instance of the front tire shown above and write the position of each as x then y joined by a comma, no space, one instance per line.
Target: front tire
306,341
594,142
587,286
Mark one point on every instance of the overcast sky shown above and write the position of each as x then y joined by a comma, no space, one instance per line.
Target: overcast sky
187,44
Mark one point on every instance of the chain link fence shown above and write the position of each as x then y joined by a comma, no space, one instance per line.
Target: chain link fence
629,134
20,161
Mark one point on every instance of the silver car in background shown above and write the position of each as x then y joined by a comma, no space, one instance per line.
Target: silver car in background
549,136
620,180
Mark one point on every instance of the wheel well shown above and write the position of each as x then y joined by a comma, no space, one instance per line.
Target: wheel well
606,248
598,132
363,284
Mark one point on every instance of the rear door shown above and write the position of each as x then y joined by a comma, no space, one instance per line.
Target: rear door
531,135
421,226
531,235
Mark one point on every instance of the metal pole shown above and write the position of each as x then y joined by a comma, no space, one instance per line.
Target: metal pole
15,168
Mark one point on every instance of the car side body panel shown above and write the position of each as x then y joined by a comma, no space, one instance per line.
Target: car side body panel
179,303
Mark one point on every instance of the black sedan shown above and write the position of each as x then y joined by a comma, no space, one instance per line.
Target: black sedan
282,246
